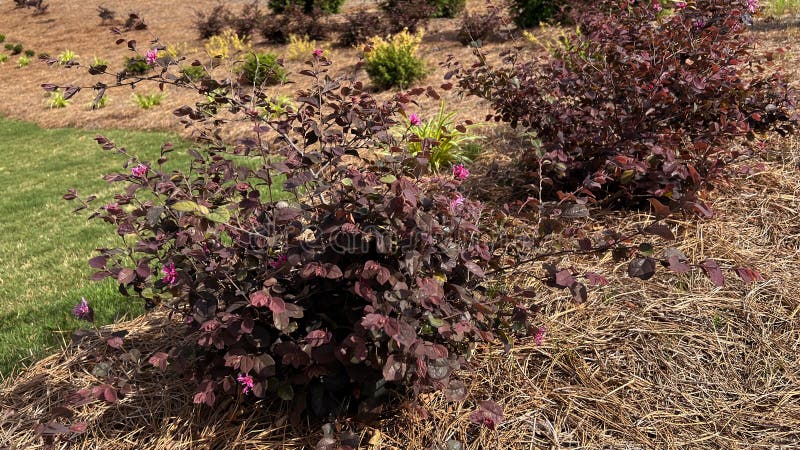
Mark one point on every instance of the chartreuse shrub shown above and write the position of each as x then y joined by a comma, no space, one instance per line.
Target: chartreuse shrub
262,69
227,44
301,48
393,61
636,108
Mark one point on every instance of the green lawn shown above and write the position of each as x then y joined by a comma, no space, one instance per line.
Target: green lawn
43,245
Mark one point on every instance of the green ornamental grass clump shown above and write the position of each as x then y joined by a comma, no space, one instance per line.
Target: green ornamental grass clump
148,101
393,62
262,69
442,140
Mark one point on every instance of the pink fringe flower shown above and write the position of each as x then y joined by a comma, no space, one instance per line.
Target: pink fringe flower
460,172
538,338
151,56
414,119
279,261
82,311
139,171
457,202
170,274
246,381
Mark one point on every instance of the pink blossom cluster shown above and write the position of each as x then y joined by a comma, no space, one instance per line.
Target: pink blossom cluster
151,56
246,381
170,274
139,171
460,172
82,311
279,261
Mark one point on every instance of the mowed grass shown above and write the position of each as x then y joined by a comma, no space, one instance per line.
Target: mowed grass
43,245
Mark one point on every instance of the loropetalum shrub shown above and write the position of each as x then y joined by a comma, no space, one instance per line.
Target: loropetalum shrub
294,21
393,61
483,27
214,22
249,19
358,27
639,108
305,266
412,15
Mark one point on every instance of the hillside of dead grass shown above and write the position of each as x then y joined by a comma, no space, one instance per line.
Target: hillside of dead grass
668,363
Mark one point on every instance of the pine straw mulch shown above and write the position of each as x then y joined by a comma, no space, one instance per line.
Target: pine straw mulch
671,362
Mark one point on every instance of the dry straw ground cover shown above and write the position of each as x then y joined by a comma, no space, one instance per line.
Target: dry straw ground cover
667,363
672,362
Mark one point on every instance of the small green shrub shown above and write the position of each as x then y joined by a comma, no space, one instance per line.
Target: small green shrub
29,53
441,140
530,13
15,49
3,58
393,62
2,38
23,61
147,101
262,69
56,100
136,65
194,73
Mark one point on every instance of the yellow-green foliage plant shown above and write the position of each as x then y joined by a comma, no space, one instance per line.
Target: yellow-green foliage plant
66,57
301,48
56,100
147,101
393,61
444,141
227,44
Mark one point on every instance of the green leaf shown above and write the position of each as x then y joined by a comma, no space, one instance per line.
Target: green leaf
435,321
186,206
220,215
388,179
646,249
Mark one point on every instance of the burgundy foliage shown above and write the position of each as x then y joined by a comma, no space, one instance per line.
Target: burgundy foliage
636,107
